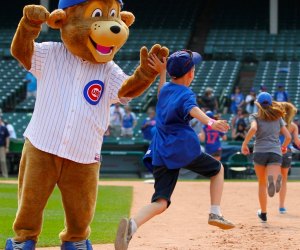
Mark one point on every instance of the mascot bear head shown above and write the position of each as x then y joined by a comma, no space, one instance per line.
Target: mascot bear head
93,30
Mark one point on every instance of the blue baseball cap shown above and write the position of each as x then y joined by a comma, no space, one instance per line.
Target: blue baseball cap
63,4
181,62
264,99
210,114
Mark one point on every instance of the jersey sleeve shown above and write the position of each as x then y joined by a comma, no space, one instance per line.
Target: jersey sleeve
117,77
39,56
189,103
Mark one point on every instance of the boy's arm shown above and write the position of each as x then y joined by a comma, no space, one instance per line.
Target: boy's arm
160,67
220,125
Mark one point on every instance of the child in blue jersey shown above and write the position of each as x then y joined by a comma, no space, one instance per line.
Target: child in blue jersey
175,145
211,138
290,111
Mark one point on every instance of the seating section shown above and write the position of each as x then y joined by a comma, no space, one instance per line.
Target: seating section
19,120
12,87
270,73
237,33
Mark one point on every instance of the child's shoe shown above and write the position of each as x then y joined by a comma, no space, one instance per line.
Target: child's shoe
262,216
271,186
278,183
282,210
124,234
219,221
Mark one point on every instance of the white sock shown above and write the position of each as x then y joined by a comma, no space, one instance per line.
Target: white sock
133,226
215,209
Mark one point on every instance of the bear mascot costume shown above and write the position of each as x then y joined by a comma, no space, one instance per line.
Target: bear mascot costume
78,81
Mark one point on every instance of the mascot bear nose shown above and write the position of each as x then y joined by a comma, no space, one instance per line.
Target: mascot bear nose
115,29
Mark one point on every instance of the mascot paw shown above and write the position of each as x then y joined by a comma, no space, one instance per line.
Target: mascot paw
157,50
36,14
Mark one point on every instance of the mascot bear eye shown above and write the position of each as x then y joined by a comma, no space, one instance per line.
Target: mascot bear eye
97,13
113,12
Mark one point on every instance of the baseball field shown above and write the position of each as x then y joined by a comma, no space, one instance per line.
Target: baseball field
184,225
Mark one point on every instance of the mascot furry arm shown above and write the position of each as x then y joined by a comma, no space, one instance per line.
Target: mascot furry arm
65,19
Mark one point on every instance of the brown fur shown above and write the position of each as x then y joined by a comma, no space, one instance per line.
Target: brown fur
75,24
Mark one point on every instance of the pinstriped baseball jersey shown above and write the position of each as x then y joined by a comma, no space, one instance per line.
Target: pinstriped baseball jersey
72,107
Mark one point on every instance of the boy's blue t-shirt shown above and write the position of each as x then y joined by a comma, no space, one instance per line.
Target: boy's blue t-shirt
212,140
174,144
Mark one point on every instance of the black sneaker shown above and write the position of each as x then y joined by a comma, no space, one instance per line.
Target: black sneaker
271,186
262,216
278,183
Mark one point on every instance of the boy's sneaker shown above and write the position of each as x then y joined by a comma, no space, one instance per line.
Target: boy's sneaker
278,183
271,186
26,245
84,244
282,210
219,221
124,234
262,216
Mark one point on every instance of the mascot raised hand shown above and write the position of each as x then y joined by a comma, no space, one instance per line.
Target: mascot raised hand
78,81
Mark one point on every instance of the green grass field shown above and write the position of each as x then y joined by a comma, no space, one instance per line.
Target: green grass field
113,204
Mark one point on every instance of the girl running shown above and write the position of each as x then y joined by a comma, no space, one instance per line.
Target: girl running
290,111
266,126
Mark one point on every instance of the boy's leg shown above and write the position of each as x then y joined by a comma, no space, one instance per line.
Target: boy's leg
165,182
79,187
216,187
209,167
38,175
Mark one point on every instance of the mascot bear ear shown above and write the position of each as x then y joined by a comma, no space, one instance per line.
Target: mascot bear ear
127,17
56,19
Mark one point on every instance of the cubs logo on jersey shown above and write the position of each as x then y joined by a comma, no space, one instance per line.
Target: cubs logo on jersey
93,91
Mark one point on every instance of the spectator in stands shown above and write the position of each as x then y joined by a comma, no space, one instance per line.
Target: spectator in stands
240,117
281,95
175,145
4,147
129,122
196,125
208,101
11,130
249,101
239,132
31,82
116,114
148,125
263,88
266,125
237,100
211,138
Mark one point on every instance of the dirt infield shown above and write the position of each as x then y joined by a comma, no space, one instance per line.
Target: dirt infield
184,225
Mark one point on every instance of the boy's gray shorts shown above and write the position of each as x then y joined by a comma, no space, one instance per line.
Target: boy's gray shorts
267,158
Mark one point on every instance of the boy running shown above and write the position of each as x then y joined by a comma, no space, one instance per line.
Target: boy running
175,145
